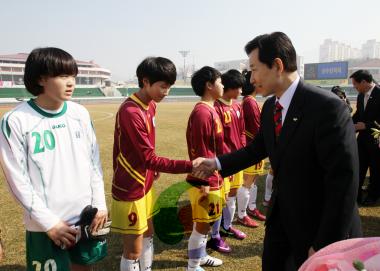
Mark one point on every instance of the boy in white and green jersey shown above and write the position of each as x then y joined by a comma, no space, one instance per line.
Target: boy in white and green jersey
50,158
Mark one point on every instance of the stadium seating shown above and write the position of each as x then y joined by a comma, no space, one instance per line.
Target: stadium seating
14,93
180,91
23,93
123,91
88,92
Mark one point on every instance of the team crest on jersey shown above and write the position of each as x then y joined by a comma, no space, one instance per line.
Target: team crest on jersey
56,126
219,127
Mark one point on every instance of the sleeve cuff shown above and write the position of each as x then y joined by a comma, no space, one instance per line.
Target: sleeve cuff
218,165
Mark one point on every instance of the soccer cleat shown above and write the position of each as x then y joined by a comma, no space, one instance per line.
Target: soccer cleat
248,222
255,213
225,233
211,261
233,232
85,220
218,244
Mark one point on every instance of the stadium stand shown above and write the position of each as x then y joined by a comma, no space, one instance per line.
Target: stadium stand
175,91
23,93
14,93
88,92
123,91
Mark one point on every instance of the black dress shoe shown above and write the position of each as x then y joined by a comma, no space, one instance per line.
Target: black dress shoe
369,201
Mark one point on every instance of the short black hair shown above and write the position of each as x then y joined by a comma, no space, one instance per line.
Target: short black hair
156,69
338,91
361,75
48,61
272,46
248,88
201,77
232,79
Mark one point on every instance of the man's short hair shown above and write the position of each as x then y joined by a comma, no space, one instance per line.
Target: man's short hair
361,75
201,77
272,46
247,88
50,62
156,69
337,90
232,79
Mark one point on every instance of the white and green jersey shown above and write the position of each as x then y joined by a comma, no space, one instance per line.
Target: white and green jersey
51,163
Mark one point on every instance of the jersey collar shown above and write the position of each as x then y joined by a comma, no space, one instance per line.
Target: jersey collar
139,102
33,105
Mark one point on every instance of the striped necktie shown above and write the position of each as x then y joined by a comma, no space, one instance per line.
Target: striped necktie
277,117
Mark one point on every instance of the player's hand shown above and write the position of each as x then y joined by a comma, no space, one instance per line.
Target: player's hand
359,126
205,169
62,234
99,220
197,162
204,190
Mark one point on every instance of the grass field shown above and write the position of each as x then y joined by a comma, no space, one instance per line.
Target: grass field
171,124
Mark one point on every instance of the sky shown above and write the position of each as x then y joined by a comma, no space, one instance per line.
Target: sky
119,34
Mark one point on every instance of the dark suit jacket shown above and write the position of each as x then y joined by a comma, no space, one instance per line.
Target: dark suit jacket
315,163
368,115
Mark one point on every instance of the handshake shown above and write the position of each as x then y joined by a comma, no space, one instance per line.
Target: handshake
203,167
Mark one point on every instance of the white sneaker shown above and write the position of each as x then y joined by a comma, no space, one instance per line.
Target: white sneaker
211,261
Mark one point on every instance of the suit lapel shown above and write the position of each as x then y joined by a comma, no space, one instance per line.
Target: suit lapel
292,120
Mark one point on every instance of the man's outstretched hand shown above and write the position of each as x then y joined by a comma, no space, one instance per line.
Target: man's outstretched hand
203,167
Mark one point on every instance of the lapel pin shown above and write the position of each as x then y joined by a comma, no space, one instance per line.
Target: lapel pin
295,119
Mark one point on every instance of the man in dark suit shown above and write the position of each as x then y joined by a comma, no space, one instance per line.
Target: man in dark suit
309,137
367,113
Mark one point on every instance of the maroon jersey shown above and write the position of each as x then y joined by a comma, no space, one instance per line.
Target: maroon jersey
251,111
204,137
134,160
232,118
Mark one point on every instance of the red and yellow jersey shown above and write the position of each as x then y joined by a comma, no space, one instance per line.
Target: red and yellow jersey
204,137
134,160
251,112
232,118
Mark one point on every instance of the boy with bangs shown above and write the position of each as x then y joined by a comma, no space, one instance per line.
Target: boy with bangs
50,158
136,166
231,114
204,137
248,192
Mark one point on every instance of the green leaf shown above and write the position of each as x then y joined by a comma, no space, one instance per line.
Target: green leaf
358,265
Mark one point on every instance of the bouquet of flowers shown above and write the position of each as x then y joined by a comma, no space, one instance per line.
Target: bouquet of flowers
376,133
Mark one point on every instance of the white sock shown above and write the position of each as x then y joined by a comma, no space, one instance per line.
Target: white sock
215,228
229,212
196,249
129,265
242,201
268,187
146,258
252,197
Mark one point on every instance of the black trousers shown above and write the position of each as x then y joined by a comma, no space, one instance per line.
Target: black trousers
369,157
280,253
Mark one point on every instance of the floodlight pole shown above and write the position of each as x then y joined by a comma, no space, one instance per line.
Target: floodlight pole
184,54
